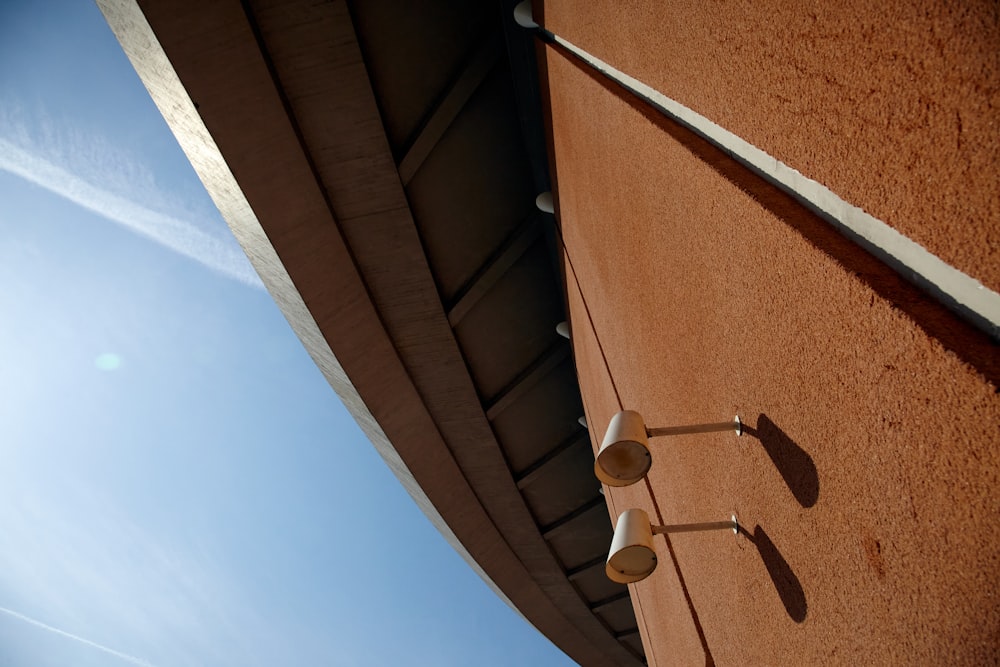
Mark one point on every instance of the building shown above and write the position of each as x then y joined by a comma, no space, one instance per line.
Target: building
380,161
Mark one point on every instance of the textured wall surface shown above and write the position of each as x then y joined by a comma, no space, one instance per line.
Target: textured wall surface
867,481
895,106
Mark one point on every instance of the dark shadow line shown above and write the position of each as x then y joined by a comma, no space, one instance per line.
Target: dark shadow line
792,462
590,319
709,660
973,346
787,585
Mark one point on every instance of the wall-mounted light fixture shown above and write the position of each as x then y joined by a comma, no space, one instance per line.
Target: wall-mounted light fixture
632,556
545,203
624,456
523,15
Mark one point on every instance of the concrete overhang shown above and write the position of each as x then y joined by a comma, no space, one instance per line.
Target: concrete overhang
378,162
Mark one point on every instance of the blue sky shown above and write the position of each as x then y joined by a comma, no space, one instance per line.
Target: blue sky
170,458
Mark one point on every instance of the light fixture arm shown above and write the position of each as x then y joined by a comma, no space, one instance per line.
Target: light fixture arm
718,427
624,457
732,525
632,555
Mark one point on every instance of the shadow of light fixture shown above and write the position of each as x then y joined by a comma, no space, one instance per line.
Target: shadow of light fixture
624,456
632,557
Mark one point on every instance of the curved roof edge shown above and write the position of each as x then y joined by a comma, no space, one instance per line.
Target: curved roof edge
168,93
244,145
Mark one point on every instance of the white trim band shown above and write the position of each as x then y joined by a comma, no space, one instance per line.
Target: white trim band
911,260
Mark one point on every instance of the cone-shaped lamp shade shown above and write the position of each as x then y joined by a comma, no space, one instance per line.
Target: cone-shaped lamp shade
523,16
545,203
632,556
624,456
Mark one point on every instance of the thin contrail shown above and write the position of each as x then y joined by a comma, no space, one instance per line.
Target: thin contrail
118,654
178,235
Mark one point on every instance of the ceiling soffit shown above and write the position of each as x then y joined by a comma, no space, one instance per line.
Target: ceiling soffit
402,211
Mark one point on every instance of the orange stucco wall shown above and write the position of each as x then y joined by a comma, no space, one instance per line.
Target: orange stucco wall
867,483
893,105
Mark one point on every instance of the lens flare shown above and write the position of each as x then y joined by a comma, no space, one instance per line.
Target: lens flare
108,361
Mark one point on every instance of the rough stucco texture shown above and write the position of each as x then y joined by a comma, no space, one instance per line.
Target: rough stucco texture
867,482
895,106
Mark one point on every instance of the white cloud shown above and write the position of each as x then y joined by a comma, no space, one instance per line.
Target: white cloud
118,654
56,160
76,559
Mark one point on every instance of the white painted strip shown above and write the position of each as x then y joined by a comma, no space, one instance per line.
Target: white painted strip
906,256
